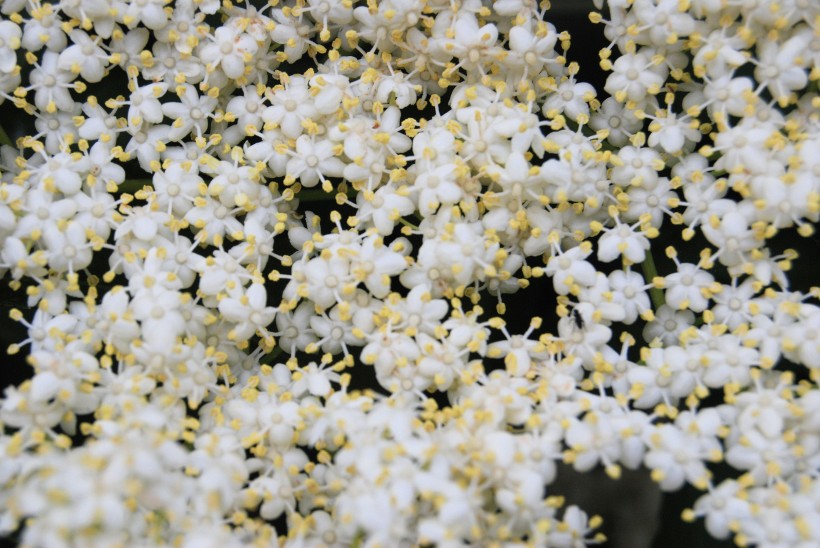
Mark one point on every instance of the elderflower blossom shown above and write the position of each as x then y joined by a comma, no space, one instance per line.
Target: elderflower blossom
334,273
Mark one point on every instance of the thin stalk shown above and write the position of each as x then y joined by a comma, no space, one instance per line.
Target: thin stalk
405,222
272,355
130,186
4,138
650,272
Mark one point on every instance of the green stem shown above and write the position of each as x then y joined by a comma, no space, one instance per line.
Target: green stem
4,138
132,185
650,272
405,222
358,539
275,353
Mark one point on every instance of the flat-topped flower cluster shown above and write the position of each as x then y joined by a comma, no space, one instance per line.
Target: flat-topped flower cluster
266,250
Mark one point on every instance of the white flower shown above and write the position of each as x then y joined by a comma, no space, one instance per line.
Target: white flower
248,311
290,105
386,207
471,45
532,50
688,287
570,98
518,351
175,189
668,324
634,77
628,241
583,337
779,68
313,161
620,122
629,292
230,50
190,114
144,104
150,13
68,249
10,35
235,185
436,188
664,21
637,166
676,455
673,134
84,58
294,332
170,401
569,271
169,65
51,85
44,31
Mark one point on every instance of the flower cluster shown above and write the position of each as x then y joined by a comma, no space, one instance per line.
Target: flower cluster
267,253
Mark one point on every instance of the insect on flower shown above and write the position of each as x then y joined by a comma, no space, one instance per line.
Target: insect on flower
578,318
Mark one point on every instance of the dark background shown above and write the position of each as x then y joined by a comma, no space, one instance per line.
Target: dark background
587,40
